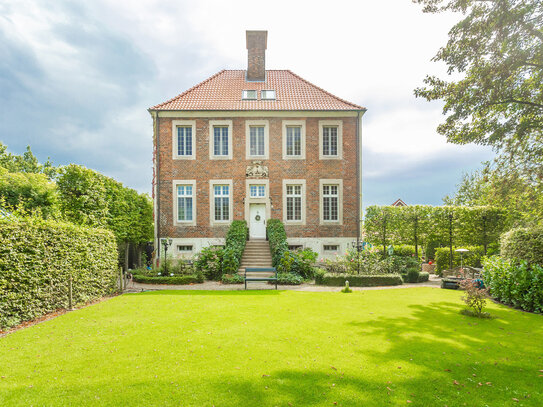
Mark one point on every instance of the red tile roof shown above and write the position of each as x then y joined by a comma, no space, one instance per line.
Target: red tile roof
222,91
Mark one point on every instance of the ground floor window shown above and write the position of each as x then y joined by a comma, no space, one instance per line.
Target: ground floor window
294,202
222,202
330,199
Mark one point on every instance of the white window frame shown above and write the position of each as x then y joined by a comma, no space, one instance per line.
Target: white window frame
331,123
185,251
339,183
302,183
245,93
175,149
258,188
301,124
257,123
331,252
212,184
176,221
267,98
212,125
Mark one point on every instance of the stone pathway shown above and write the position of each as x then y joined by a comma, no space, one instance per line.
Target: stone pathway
434,281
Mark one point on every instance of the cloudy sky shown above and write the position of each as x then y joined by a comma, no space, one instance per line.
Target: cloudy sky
76,79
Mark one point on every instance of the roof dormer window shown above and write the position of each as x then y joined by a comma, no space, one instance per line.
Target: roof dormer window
248,95
267,95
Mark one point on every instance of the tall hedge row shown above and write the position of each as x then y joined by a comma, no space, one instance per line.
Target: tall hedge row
277,236
37,258
523,244
472,258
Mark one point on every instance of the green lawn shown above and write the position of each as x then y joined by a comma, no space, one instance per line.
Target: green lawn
276,348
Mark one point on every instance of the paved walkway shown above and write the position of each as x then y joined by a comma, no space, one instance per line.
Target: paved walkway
435,281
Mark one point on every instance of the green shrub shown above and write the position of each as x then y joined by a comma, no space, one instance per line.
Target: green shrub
298,262
423,277
413,276
516,283
213,262
319,274
37,258
177,280
209,263
523,244
471,258
288,279
232,279
338,280
401,264
275,231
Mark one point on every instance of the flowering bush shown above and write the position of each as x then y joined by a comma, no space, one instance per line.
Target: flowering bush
367,262
298,262
209,262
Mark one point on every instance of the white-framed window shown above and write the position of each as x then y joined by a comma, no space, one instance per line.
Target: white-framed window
257,191
330,139
221,195
183,139
184,205
293,139
249,94
267,94
220,139
331,201
185,194
294,203
221,202
257,139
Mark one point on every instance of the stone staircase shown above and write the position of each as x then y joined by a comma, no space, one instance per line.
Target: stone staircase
256,254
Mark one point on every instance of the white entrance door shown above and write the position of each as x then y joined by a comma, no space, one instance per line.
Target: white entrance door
257,223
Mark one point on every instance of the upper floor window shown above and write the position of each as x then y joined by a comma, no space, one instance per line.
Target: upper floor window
267,94
222,202
256,140
293,139
183,132
249,94
184,140
330,139
220,139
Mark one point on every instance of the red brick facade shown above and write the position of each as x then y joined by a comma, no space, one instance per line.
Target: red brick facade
312,169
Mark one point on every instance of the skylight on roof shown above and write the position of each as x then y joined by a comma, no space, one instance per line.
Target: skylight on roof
249,95
267,94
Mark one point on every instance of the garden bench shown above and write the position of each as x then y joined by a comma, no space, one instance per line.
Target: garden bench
260,270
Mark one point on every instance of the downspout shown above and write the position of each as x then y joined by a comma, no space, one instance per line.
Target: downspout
157,185
359,173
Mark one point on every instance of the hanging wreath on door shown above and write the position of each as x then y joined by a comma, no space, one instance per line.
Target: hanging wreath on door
257,218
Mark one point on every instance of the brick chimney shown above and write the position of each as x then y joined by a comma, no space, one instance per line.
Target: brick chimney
256,63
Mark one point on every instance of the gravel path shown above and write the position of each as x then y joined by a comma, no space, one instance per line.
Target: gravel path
216,286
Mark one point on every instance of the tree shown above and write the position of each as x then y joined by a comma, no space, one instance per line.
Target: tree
27,163
497,50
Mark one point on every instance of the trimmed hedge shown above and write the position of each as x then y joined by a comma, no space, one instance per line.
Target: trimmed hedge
275,231
472,258
288,279
423,277
338,280
515,283
37,258
523,244
405,250
176,280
